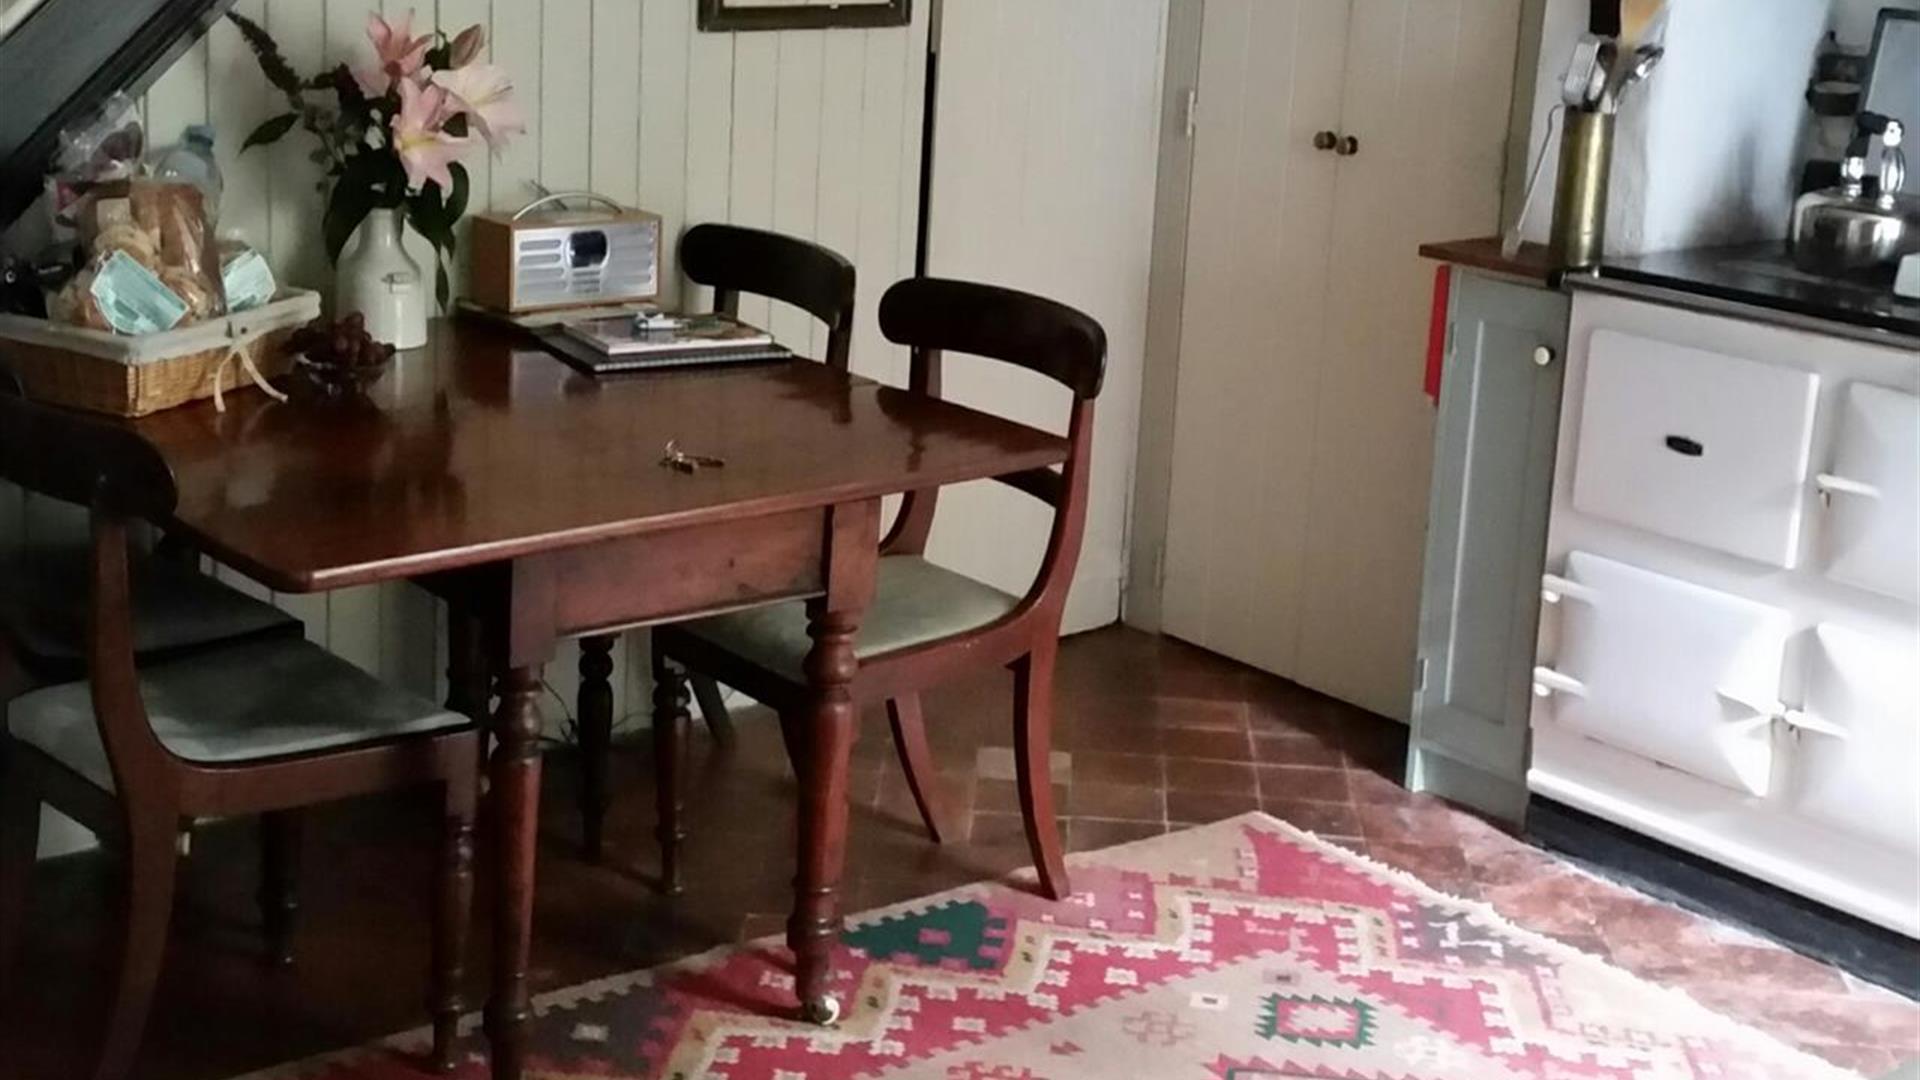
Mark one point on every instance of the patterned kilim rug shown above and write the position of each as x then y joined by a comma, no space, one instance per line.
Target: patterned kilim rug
1245,950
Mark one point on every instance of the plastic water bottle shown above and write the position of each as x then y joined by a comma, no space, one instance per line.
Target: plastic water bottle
191,161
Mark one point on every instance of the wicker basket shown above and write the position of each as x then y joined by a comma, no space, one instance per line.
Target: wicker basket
133,376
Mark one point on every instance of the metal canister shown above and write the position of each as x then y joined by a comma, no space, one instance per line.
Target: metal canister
1579,234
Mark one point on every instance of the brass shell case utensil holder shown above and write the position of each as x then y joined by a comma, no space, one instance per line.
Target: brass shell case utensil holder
1579,233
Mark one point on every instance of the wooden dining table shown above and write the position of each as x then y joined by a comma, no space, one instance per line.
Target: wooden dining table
535,500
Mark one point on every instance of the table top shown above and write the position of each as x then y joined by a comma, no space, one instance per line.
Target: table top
481,447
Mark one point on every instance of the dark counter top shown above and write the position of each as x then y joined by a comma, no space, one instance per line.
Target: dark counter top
1762,275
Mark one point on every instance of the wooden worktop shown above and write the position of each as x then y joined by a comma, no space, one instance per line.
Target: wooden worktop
1483,253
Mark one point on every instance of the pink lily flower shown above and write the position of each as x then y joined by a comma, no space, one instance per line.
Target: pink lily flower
400,55
483,92
424,149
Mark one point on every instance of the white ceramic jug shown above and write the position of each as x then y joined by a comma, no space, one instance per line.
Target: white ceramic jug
380,280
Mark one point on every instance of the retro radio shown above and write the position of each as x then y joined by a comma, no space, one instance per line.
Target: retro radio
546,256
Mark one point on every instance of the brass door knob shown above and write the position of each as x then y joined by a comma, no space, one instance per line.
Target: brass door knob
1325,140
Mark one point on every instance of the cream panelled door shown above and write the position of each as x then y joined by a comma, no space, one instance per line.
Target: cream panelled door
1303,441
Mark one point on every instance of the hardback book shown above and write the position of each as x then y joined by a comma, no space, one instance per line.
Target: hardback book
687,335
580,352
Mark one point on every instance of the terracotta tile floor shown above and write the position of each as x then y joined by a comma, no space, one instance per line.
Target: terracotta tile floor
1151,735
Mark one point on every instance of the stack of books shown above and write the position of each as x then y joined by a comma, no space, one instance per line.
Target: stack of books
635,343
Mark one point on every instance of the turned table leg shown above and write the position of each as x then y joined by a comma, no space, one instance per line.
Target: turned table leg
828,731
515,797
821,742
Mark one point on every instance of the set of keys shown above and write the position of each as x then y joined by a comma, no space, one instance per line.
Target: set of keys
681,461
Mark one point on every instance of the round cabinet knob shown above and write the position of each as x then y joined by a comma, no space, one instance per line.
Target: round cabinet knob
1542,356
1348,147
1325,140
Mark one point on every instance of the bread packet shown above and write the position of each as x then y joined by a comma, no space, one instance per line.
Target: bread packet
164,227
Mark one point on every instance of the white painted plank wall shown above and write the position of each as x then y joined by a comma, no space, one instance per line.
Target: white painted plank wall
815,133
1046,155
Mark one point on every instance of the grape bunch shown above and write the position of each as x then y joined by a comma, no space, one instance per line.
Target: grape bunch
342,344
340,354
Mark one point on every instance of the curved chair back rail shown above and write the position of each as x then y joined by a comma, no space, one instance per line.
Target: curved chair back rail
938,314
96,463
732,259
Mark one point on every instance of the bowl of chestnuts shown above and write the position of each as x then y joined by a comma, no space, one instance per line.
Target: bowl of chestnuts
339,358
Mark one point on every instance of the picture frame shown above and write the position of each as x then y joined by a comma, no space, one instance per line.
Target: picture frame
728,16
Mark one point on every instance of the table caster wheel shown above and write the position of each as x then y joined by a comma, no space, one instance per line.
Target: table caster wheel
824,1012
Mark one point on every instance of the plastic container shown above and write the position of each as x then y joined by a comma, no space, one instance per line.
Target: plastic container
191,161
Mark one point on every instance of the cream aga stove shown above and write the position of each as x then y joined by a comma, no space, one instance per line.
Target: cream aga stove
1729,650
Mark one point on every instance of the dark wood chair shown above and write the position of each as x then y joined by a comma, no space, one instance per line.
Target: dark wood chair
926,624
262,726
177,610
731,260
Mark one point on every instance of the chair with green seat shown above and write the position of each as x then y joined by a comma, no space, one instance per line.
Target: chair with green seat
177,609
926,624
267,725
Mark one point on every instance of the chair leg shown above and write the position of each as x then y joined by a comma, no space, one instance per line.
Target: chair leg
794,735
669,746
910,740
152,858
469,684
595,711
279,883
19,846
453,912
1033,765
713,708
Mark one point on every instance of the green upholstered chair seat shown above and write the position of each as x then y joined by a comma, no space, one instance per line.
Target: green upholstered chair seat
257,699
914,602
43,606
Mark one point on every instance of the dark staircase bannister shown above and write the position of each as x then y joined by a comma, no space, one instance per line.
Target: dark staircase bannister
65,58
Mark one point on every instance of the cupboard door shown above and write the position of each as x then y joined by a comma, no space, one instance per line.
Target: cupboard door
1429,126
1691,444
1486,542
1259,229
1302,441
1681,674
1873,493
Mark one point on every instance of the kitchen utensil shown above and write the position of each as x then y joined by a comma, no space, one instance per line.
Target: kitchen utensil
1583,70
1639,20
1604,63
1634,69
1510,240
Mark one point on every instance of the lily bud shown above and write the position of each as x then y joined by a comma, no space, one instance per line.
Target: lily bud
467,45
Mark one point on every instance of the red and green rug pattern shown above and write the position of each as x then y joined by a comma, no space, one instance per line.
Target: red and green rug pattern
1244,950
